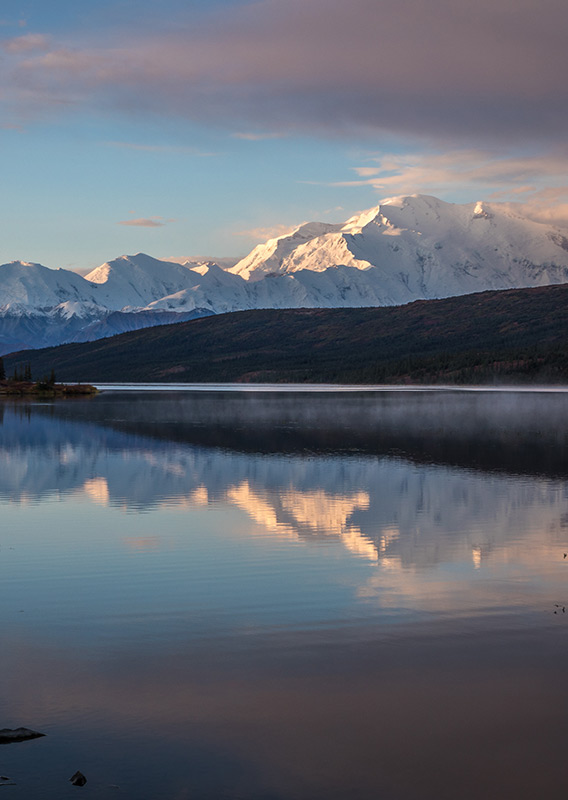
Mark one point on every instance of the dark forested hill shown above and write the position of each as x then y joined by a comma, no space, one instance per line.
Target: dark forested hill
507,336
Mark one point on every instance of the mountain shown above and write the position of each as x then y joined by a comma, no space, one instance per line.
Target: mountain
406,248
511,335
41,307
419,247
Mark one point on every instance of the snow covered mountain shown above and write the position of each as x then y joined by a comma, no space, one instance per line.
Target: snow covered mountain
40,307
423,247
406,248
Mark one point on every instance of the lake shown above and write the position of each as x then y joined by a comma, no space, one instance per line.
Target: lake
285,595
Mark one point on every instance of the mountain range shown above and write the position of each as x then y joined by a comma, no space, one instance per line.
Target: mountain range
405,249
507,336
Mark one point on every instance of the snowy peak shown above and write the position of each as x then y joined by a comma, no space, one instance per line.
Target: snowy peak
268,259
140,264
406,212
133,282
423,248
481,212
35,288
425,215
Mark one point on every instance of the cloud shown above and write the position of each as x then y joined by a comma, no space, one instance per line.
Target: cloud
146,222
257,137
490,71
518,181
263,233
469,169
26,43
269,232
547,205
21,23
366,172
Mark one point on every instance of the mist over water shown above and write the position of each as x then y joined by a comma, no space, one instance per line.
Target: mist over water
286,595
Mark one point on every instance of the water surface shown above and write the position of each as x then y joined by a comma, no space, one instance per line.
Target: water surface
299,595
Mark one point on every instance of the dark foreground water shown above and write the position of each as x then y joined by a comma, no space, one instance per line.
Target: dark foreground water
287,597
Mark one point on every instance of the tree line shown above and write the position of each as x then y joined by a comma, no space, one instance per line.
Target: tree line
24,375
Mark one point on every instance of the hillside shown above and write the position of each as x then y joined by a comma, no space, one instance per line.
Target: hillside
511,336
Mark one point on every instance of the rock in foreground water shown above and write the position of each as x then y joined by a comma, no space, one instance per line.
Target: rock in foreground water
9,735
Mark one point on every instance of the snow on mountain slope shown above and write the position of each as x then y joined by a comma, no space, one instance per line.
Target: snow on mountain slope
196,261
133,282
216,290
269,258
422,247
40,307
406,248
33,289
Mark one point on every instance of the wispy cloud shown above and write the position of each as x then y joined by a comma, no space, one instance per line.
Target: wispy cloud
366,172
547,205
519,181
257,137
20,23
473,170
262,234
146,222
27,43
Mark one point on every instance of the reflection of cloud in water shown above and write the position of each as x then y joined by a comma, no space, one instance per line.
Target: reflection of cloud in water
142,543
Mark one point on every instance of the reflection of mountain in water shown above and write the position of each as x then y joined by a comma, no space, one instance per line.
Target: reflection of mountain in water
383,508
520,433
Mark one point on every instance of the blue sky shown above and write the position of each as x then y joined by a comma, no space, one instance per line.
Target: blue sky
184,128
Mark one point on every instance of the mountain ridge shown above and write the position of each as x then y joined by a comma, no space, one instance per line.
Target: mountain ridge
406,248
511,335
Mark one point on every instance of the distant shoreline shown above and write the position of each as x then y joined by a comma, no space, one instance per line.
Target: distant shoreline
493,339
316,387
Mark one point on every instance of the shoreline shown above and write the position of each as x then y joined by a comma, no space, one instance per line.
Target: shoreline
318,387
31,388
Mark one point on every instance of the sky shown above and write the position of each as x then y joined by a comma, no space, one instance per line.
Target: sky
203,127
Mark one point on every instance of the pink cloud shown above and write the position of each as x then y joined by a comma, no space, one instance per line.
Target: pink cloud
261,234
518,181
27,43
476,169
257,137
146,222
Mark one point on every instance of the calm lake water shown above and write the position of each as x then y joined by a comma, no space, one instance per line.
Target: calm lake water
286,596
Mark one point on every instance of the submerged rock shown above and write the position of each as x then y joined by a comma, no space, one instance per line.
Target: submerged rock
9,735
